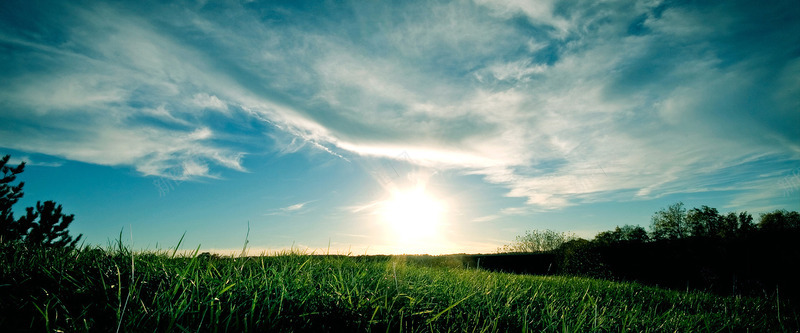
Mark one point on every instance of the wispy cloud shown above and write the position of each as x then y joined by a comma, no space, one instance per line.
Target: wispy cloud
294,207
14,160
298,208
560,102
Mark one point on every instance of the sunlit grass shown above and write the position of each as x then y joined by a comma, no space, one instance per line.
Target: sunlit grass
98,290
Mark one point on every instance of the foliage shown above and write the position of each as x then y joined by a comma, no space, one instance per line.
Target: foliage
701,248
9,195
674,222
726,253
670,223
538,241
779,220
94,289
43,225
47,226
708,222
703,222
625,234
746,225
580,257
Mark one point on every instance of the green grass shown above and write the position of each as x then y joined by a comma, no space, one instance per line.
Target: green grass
97,290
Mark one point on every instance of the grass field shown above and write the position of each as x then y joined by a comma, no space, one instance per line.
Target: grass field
115,289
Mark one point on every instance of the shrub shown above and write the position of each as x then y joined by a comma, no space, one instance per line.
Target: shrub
538,241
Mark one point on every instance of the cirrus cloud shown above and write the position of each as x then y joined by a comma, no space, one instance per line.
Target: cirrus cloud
560,102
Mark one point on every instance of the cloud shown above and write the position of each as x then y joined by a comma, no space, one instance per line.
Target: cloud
538,12
118,93
560,102
207,101
295,207
485,218
298,208
33,162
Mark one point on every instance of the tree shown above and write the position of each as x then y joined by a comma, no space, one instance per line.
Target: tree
625,234
9,195
43,225
670,223
729,225
608,237
47,226
634,234
745,225
538,241
779,220
704,222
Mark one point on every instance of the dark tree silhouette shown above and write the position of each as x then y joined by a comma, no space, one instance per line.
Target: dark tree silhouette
624,234
47,226
670,223
779,220
43,225
729,225
608,237
9,195
675,222
745,226
704,222
634,234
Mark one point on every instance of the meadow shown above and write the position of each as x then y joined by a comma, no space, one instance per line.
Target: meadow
115,289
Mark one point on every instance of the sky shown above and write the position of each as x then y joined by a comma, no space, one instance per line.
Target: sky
367,127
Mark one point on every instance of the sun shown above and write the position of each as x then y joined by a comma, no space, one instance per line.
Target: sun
413,216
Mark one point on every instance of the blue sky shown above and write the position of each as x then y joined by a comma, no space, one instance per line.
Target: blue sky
307,119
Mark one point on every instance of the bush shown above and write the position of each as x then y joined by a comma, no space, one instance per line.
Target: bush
538,241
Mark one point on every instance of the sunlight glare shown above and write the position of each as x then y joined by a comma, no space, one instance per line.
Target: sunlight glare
413,216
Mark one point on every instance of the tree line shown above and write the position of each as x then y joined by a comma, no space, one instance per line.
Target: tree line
672,223
698,248
676,223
